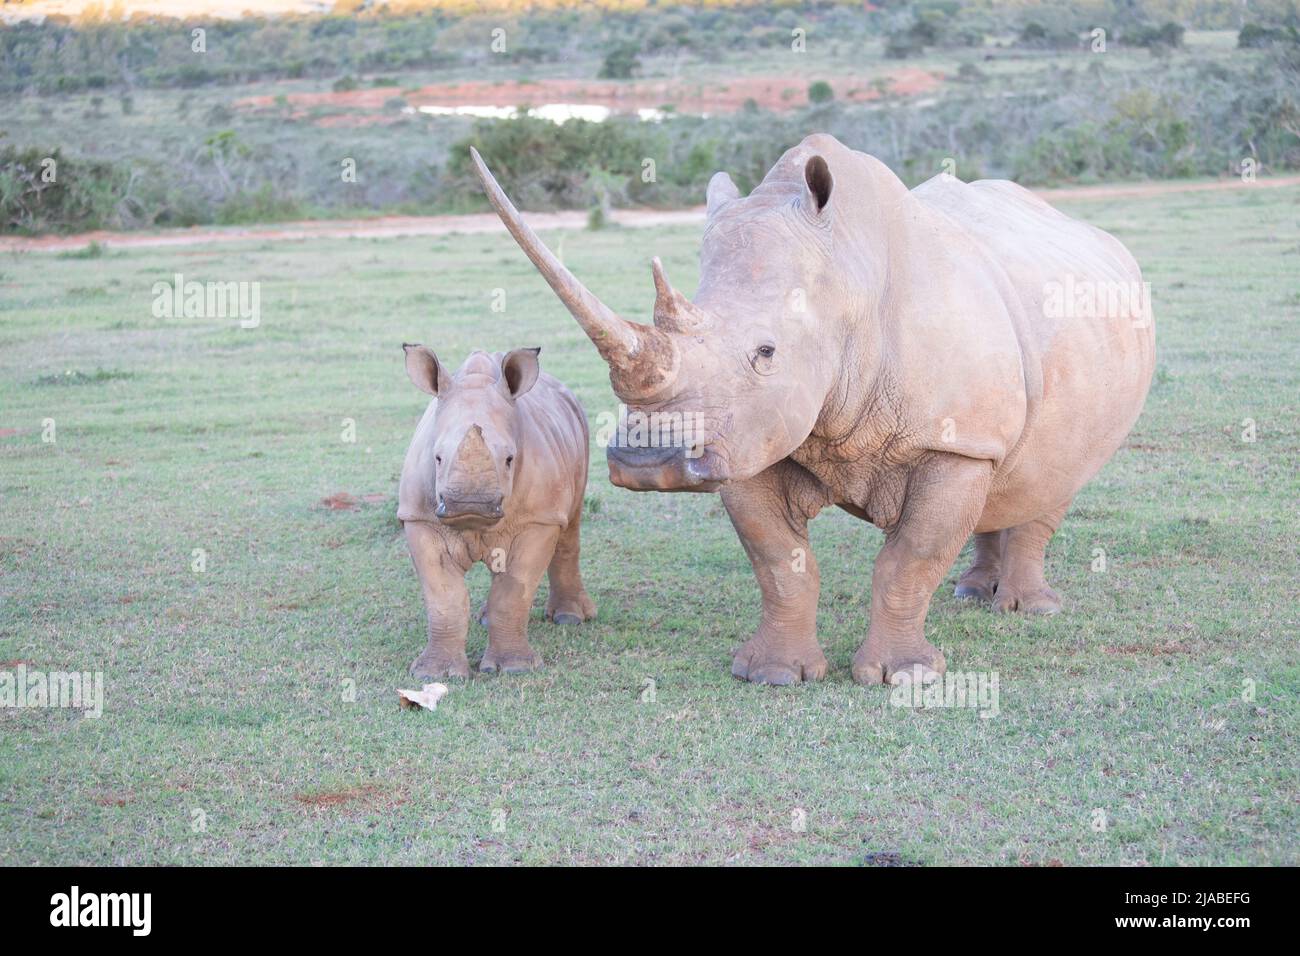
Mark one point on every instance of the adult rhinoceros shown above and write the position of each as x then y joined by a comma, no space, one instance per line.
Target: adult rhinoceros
959,358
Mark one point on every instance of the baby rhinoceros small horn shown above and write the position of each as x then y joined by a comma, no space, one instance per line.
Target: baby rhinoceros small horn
673,311
473,455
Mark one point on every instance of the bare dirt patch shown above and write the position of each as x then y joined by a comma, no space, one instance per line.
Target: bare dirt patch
343,501
360,797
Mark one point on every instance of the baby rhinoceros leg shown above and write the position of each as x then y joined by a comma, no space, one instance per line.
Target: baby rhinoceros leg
980,580
511,598
446,599
1021,586
568,602
770,512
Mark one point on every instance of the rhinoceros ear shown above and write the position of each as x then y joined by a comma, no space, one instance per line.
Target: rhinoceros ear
519,370
720,192
820,182
425,370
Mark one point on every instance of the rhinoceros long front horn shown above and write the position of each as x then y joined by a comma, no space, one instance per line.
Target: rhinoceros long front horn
642,359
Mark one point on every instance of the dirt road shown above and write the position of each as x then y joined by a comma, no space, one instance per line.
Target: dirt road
392,226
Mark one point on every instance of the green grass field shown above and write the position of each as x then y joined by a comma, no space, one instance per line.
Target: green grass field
228,735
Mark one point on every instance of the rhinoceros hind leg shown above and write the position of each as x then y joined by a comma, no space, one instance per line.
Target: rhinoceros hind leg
1021,586
568,603
980,580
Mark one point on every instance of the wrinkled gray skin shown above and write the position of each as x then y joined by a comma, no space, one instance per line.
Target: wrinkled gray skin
891,352
496,473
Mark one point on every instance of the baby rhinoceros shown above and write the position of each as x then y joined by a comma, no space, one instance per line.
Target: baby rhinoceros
495,473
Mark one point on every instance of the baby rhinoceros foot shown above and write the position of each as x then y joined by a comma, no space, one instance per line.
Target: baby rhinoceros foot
877,664
568,611
975,590
1038,599
762,660
509,660
436,663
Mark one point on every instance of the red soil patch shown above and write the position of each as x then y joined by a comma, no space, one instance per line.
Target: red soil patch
9,432
781,92
366,794
342,501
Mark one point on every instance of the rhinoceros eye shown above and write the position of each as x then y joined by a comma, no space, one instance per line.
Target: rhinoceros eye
510,460
767,351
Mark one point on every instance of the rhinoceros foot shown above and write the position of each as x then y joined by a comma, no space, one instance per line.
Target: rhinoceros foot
761,660
435,663
975,591
513,660
872,665
1036,600
569,611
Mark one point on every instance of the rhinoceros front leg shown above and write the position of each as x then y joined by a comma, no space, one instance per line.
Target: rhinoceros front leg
446,599
511,598
941,506
770,513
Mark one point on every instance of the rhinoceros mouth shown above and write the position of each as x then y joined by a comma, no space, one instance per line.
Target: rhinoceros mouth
465,513
665,469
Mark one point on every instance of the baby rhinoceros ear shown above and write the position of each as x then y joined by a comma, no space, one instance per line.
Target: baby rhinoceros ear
425,370
519,370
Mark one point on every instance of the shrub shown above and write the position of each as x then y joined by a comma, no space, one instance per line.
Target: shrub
546,165
1167,36
820,92
621,63
1255,36
84,194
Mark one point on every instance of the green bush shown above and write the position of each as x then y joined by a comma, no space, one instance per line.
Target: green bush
1255,36
820,92
260,205
621,63
83,194
545,165
1168,35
